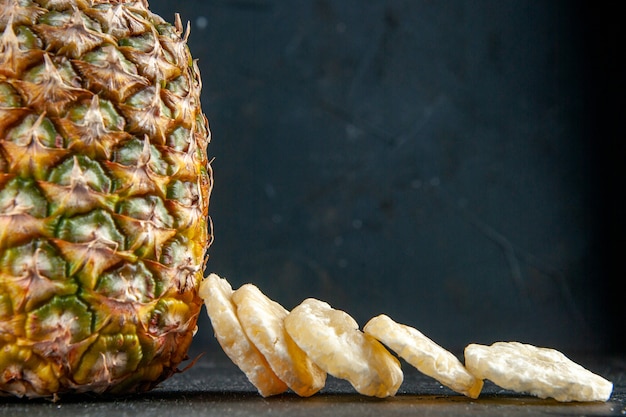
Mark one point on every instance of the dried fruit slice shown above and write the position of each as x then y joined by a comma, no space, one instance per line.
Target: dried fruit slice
333,340
424,354
262,320
217,293
542,372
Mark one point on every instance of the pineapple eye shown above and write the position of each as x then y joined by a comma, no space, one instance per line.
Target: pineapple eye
39,255
130,283
186,193
143,42
22,196
176,252
133,152
54,18
27,39
64,318
8,96
179,139
179,86
149,208
111,356
95,226
102,115
91,173
35,127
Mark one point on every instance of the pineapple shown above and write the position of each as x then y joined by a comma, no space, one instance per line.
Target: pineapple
104,191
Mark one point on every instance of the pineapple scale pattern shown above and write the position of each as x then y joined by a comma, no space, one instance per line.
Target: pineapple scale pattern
104,189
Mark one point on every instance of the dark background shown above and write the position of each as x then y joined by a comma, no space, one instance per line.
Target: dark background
456,165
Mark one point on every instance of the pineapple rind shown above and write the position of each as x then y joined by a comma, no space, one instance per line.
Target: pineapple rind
104,193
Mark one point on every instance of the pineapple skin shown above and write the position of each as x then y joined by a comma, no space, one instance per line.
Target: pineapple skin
104,194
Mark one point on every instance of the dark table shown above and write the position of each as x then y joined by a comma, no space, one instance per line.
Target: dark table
217,388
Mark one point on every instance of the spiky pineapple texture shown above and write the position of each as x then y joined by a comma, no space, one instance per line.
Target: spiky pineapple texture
104,188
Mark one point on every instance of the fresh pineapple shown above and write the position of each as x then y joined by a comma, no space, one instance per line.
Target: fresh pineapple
104,192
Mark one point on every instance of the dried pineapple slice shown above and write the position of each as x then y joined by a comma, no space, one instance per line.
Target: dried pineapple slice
278,350
262,320
424,354
217,294
543,372
333,341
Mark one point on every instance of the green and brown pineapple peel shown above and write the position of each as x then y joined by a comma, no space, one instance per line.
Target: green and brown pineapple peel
104,191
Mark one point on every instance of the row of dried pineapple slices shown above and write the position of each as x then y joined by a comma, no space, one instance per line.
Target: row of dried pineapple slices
280,350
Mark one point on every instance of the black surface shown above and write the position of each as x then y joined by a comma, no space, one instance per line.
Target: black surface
454,164
219,389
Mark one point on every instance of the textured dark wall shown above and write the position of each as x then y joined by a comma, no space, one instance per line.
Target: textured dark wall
434,160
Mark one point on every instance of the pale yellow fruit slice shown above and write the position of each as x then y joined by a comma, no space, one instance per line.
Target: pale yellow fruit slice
543,372
216,293
333,340
262,320
424,354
